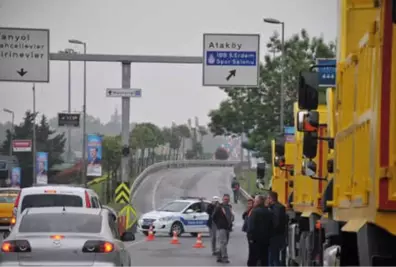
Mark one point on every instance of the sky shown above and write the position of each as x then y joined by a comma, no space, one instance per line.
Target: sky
170,92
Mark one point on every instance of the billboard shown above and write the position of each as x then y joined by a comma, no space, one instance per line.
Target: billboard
16,177
42,168
94,151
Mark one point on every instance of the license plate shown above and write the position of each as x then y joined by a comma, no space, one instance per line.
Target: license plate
5,219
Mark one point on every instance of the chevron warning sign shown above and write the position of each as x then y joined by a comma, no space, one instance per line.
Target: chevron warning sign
130,215
122,193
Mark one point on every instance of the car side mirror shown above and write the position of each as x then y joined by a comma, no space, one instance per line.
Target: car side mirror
307,121
310,145
128,236
189,211
308,96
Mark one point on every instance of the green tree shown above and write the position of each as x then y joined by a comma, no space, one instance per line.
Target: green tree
255,111
111,158
46,141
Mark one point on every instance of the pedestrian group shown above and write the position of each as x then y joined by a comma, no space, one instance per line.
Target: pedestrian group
264,224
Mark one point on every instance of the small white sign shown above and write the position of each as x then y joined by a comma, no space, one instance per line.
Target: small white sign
24,55
231,60
123,92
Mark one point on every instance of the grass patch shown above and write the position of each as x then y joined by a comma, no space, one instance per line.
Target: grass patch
247,180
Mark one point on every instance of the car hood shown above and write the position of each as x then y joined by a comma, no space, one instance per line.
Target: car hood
158,214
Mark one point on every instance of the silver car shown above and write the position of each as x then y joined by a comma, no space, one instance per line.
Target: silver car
59,236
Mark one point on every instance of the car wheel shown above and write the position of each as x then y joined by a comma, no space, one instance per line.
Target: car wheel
194,234
177,227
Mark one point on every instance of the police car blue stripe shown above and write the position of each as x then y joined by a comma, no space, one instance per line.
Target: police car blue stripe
193,222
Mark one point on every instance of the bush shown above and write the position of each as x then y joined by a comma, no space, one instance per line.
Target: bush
221,154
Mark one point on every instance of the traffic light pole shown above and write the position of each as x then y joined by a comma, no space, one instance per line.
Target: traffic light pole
126,83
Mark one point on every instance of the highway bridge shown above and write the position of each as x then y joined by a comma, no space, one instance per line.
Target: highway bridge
170,184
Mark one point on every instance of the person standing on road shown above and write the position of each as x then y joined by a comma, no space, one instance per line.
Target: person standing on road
259,230
223,218
235,189
245,218
278,240
212,226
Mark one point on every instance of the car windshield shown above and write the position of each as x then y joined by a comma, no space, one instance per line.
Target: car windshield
61,223
51,200
176,206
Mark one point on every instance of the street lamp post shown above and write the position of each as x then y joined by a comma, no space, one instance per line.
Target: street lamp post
34,136
282,89
69,51
12,127
73,41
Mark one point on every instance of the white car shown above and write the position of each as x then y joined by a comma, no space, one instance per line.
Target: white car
184,215
54,196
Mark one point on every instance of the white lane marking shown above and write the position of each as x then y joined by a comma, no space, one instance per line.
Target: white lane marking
155,188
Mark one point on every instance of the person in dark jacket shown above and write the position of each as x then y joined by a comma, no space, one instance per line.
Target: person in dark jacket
259,230
212,226
278,240
246,214
223,217
235,189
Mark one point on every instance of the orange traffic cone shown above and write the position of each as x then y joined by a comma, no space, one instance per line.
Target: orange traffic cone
199,243
150,236
175,239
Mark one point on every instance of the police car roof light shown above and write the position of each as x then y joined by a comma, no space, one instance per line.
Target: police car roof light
191,197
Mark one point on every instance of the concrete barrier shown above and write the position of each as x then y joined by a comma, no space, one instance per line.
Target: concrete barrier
182,164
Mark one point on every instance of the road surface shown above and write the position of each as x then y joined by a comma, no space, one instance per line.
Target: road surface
168,185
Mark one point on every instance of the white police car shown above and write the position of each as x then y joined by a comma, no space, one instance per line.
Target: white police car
184,215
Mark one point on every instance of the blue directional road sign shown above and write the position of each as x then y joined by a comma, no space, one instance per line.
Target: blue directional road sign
327,75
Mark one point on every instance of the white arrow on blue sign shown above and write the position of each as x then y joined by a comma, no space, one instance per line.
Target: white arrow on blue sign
327,73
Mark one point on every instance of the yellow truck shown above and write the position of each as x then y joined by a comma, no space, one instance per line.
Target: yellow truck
360,226
283,154
7,199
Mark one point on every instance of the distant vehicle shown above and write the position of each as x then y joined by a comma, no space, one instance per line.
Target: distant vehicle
54,196
184,215
7,199
65,236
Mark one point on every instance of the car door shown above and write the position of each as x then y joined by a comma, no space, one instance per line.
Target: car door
192,221
123,254
202,217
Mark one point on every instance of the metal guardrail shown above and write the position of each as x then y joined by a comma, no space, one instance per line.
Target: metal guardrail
181,164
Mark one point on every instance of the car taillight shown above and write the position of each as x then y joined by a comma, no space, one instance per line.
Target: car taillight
13,221
87,200
18,246
16,203
97,246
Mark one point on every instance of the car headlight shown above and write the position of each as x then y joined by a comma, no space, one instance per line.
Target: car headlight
165,218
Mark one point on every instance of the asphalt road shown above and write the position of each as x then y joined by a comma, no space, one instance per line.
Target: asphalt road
168,185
